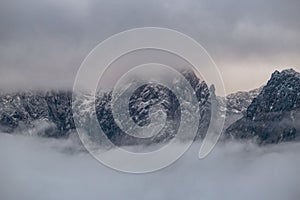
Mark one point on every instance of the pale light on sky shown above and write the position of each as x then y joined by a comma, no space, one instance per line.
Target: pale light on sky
42,43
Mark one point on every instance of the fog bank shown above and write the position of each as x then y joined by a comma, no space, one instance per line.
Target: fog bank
35,168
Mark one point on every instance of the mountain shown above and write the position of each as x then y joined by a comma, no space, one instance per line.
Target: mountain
237,104
273,116
268,114
49,113
142,100
34,112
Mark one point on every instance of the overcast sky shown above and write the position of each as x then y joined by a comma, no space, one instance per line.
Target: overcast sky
43,42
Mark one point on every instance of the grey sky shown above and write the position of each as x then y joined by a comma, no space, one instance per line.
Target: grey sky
43,42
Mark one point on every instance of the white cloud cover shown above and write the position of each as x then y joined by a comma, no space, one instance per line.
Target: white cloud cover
34,168
42,43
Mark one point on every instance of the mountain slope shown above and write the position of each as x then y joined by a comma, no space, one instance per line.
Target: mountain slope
274,115
50,113
45,113
237,104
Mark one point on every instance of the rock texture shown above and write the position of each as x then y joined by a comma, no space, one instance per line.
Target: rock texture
49,113
268,115
42,113
139,106
274,115
237,104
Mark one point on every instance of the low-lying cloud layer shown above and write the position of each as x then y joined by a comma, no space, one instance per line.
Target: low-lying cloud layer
34,168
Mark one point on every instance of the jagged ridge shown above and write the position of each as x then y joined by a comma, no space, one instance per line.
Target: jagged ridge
274,115
27,111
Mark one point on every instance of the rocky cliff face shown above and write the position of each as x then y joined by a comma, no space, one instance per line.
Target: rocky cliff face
237,104
274,115
50,113
139,106
268,115
41,113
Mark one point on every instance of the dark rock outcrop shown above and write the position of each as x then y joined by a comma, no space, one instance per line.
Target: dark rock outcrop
237,104
140,103
274,115
43,113
50,113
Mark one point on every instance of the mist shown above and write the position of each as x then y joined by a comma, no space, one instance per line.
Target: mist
42,168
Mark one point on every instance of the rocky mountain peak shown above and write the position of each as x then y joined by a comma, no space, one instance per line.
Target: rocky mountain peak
273,116
26,110
282,93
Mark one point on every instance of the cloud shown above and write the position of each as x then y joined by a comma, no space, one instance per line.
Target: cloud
42,43
35,168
